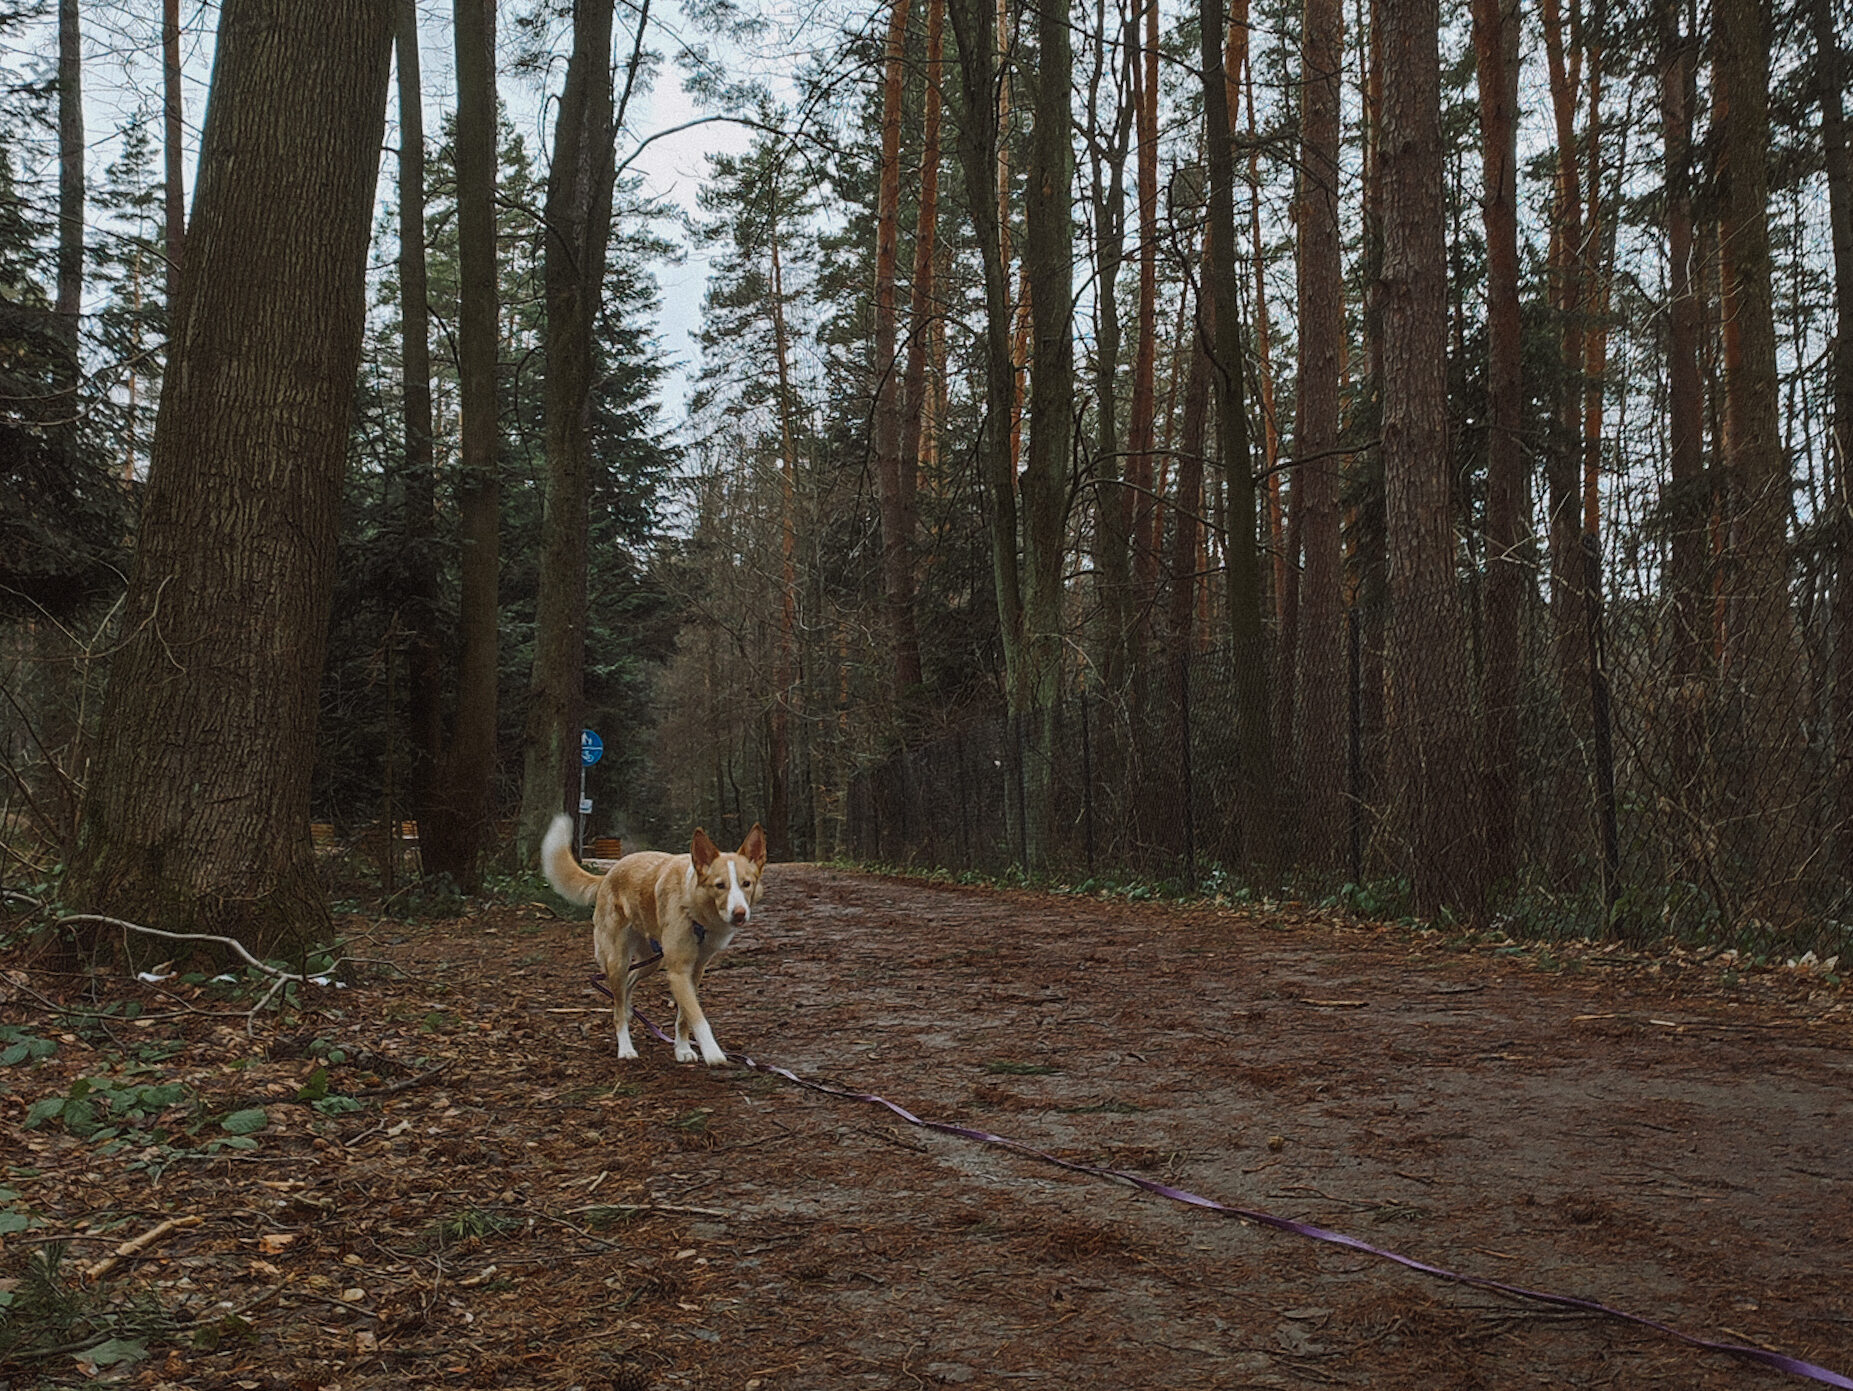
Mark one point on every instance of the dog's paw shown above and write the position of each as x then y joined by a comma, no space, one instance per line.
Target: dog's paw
684,1054
713,1057
626,1050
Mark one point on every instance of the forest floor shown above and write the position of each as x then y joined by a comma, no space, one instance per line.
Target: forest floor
441,1175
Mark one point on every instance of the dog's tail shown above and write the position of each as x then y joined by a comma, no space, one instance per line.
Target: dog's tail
569,881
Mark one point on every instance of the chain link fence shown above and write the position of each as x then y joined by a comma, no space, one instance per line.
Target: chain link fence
1662,781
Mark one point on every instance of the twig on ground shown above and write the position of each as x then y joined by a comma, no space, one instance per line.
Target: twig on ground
136,1245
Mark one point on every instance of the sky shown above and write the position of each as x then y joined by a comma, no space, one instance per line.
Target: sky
122,83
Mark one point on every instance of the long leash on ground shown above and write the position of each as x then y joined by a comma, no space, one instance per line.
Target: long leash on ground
1778,1361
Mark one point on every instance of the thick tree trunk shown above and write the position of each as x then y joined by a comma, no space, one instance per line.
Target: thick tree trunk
458,819
1321,657
897,568
196,817
1496,40
1256,799
578,233
1430,728
1762,650
1830,81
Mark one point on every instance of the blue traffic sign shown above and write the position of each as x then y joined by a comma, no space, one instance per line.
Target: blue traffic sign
591,748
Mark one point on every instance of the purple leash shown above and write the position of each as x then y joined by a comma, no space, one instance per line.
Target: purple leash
1779,1361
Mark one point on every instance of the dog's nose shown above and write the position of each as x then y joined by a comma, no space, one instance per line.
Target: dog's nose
739,916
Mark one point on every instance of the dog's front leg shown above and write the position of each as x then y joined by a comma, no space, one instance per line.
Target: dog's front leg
690,1020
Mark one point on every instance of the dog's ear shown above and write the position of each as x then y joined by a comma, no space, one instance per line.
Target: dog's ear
754,846
702,851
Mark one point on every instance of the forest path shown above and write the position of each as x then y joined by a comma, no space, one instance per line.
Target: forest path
1596,1134
537,1214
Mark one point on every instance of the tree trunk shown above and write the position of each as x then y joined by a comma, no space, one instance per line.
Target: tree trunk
1140,507
424,699
785,674
1599,242
1108,151
1563,52
70,301
973,31
1496,40
1048,262
1830,82
196,818
1430,732
1256,797
920,313
578,233
1762,653
1189,496
896,544
458,819
174,153
1321,658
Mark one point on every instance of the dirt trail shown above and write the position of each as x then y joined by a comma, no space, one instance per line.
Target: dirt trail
1679,1150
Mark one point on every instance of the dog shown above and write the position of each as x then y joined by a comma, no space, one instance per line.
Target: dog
685,908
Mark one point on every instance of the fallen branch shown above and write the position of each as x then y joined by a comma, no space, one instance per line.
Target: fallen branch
136,1245
282,978
231,942
647,1208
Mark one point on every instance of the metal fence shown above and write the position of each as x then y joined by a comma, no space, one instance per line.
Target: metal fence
1651,801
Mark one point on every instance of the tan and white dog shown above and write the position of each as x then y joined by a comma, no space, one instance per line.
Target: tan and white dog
688,907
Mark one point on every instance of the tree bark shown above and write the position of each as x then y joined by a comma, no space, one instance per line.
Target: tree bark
1430,730
897,567
424,699
1048,263
578,235
1496,46
1762,649
458,818
1140,507
921,315
174,152
1256,799
1321,657
1563,53
785,682
1108,151
70,301
197,816
1830,82
978,136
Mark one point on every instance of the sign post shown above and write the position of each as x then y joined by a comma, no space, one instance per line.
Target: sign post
591,749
